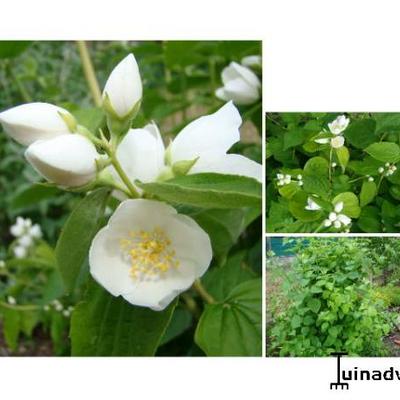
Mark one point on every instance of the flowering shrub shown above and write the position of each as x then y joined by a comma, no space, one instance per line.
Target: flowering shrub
330,301
347,164
158,217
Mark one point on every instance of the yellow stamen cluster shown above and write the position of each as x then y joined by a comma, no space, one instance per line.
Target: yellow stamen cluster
149,254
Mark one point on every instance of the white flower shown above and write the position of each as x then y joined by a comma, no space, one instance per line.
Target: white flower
336,219
300,183
148,253
20,251
35,231
280,176
19,228
25,241
299,177
334,165
2,264
322,141
252,61
67,160
241,85
124,87
35,121
287,179
338,207
11,300
387,165
339,125
204,142
66,313
381,170
312,205
46,308
337,142
370,179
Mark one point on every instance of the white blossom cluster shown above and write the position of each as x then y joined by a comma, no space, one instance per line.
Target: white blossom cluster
26,235
336,128
337,219
285,179
389,169
59,307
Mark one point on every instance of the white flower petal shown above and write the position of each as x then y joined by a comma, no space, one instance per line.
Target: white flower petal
241,92
327,223
110,268
221,94
339,206
211,135
235,71
332,216
231,164
141,154
322,141
67,160
344,219
337,142
339,124
34,121
124,86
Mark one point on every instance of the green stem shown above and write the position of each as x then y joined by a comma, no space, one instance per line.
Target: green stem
114,161
330,166
89,72
200,289
191,305
379,184
357,179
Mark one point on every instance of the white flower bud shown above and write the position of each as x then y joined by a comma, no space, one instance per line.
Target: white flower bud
252,61
67,160
280,176
36,231
381,170
337,224
344,219
11,300
339,206
334,165
299,177
327,223
370,179
123,89
332,216
35,121
312,205
387,165
2,264
25,241
300,183
20,252
241,85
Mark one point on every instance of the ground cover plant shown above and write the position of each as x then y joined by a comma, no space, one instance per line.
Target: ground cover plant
130,204
333,172
334,294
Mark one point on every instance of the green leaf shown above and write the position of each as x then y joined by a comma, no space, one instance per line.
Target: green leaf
297,207
293,138
10,49
384,151
180,322
343,156
361,133
369,220
368,193
314,305
220,281
296,321
11,326
351,207
32,195
315,176
387,122
77,234
104,325
208,190
223,226
180,54
289,190
233,327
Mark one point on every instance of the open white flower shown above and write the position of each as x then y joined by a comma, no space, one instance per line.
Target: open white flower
67,160
338,125
20,251
123,89
148,253
241,85
337,142
30,122
200,147
312,205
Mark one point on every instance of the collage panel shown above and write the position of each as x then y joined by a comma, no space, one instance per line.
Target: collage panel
131,198
333,294
333,172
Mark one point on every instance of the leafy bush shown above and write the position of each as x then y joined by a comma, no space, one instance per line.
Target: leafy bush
333,173
331,304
